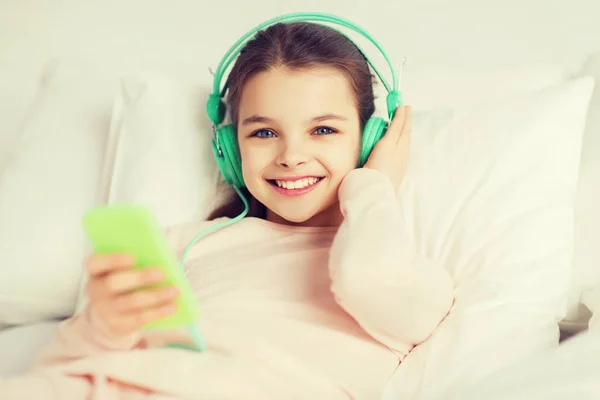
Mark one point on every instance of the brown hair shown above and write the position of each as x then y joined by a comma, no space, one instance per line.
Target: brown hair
298,45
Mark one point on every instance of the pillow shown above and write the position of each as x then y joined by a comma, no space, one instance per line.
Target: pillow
160,152
489,194
17,91
434,87
156,117
50,180
153,109
586,260
591,300
162,122
569,372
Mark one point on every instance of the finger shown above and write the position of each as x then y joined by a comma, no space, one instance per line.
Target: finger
407,126
395,128
144,299
124,281
99,264
135,320
95,291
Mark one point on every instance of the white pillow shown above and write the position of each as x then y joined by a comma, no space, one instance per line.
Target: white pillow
50,180
83,96
568,372
490,196
17,91
156,116
586,260
591,299
160,152
163,154
434,88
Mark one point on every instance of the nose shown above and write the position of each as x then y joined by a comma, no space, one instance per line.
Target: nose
291,155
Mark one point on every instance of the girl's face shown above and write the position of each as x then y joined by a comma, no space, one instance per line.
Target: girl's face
299,135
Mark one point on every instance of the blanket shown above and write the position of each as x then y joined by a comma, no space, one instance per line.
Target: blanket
165,374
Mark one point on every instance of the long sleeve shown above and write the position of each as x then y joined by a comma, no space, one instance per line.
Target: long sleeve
398,296
78,337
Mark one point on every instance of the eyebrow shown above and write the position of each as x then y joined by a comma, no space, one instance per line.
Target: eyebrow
259,119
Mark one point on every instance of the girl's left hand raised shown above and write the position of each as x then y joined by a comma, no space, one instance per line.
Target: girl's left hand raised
390,154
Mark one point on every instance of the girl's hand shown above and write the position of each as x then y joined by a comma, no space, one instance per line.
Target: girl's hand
390,154
120,298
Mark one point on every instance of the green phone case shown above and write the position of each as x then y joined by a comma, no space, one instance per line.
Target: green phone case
133,229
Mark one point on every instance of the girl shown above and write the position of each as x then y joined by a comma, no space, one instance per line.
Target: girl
315,294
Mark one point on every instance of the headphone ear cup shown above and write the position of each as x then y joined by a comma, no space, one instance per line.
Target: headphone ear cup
374,130
229,162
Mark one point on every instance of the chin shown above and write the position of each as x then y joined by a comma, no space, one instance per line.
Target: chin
310,217
294,217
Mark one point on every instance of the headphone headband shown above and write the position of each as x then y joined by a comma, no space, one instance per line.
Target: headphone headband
215,108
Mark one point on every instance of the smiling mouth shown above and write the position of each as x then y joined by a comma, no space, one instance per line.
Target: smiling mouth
295,184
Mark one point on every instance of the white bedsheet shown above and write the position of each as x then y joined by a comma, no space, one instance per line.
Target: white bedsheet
570,372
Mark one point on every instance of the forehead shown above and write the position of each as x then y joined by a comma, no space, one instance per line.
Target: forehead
282,92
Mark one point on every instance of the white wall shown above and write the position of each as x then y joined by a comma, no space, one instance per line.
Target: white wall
184,37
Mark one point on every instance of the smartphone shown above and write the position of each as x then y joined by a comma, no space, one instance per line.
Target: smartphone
133,229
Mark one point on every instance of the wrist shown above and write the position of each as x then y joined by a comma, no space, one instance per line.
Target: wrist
103,335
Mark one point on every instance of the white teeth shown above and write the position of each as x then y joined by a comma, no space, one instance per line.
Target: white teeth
299,184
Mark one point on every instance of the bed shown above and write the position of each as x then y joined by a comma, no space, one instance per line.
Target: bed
125,92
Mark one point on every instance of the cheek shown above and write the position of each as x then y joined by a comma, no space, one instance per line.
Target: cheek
352,151
344,158
344,162
253,161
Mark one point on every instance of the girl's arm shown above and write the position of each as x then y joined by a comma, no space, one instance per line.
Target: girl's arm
397,295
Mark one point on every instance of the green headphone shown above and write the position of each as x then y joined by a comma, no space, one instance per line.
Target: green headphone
224,142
